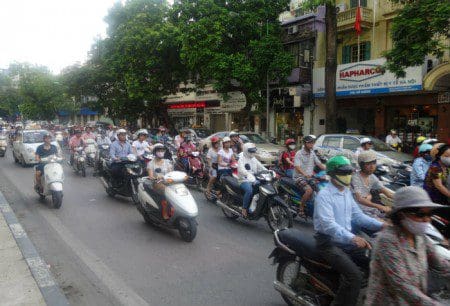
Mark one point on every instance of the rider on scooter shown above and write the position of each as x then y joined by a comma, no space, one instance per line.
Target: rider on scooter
248,166
366,144
140,145
44,150
119,149
287,157
75,142
335,211
186,148
211,157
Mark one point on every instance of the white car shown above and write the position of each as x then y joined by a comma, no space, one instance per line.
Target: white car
25,145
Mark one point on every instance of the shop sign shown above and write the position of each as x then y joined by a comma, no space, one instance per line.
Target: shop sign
181,112
214,110
444,97
181,97
367,78
187,105
235,102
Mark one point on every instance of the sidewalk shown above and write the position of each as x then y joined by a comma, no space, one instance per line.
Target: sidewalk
17,285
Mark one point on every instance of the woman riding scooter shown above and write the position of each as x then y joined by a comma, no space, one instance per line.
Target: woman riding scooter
225,158
164,166
211,157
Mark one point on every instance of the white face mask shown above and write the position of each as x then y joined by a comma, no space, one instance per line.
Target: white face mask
414,227
160,154
251,155
292,147
446,161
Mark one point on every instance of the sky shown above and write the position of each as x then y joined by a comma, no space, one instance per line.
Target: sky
52,33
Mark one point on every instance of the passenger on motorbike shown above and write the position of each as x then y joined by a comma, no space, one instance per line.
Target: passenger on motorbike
248,166
402,256
103,139
419,142
44,150
236,142
161,135
364,182
186,148
304,162
421,165
140,145
287,157
119,149
211,158
225,158
88,134
334,213
164,166
180,138
75,142
366,145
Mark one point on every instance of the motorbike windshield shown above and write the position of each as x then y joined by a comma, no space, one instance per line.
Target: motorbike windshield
33,137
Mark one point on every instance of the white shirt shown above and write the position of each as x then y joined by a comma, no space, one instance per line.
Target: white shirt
393,140
255,167
140,147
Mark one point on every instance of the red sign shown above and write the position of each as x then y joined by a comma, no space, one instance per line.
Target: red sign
360,72
188,105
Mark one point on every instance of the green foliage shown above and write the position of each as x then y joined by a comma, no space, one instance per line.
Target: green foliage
233,44
418,31
9,96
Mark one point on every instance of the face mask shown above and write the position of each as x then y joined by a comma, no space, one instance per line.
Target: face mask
251,155
160,154
446,161
427,157
414,227
292,147
344,180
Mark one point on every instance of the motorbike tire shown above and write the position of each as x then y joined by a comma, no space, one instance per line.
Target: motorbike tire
22,162
187,228
15,159
135,198
141,209
57,199
110,191
226,212
83,171
279,217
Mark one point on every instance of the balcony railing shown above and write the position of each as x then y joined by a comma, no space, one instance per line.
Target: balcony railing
346,19
391,9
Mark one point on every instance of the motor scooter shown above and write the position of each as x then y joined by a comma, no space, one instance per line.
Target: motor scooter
3,145
90,149
180,206
52,180
196,172
79,161
101,155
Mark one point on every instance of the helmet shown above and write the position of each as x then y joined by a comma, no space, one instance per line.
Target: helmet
46,134
162,129
187,138
365,140
393,131
121,131
430,141
77,131
438,149
226,139
142,132
232,134
249,148
367,157
289,141
158,147
339,165
309,138
215,139
420,139
425,147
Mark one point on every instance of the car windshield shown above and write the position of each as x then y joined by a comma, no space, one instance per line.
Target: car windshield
202,133
255,138
380,146
34,137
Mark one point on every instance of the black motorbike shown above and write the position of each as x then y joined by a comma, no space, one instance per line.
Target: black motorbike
101,157
266,203
127,183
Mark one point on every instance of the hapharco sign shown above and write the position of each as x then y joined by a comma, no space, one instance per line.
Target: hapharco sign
366,78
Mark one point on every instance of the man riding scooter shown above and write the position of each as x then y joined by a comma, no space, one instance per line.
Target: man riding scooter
119,149
44,150
334,213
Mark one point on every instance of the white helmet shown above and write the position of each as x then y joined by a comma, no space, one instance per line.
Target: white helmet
142,132
226,139
249,148
365,140
430,141
121,131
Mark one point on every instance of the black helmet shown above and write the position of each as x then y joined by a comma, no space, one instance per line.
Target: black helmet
309,138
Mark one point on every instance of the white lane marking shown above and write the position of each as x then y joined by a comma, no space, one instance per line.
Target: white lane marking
40,272
117,287
17,230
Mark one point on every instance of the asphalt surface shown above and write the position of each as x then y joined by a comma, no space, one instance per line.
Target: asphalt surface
101,252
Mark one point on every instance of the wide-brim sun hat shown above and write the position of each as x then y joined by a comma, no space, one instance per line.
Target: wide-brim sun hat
413,197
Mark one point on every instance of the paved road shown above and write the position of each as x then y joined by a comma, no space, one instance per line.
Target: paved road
102,253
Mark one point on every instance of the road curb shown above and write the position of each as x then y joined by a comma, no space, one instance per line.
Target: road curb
50,290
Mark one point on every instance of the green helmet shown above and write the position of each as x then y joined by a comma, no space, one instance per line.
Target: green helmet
339,165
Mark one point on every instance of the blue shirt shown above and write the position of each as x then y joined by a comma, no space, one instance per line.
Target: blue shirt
119,149
419,170
334,213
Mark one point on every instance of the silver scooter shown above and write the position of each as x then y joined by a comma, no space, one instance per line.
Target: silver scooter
181,207
52,180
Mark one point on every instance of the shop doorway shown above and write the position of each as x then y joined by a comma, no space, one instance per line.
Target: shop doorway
218,122
357,120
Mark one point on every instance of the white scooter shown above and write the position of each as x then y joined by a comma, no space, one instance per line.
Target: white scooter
181,207
52,180
91,151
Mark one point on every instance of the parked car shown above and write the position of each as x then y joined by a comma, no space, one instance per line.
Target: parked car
267,152
329,145
25,145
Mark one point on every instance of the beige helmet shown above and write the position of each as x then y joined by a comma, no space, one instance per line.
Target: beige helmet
367,157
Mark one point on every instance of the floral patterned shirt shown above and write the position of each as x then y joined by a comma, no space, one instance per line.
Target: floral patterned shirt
436,171
399,272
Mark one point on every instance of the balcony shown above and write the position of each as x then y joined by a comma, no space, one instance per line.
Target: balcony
391,9
346,19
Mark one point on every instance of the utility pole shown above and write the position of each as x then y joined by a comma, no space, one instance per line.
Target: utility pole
267,89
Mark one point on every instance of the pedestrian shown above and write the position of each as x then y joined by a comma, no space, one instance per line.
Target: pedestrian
402,256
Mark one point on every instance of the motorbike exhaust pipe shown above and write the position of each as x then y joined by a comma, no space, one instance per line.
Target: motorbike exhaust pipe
224,206
285,290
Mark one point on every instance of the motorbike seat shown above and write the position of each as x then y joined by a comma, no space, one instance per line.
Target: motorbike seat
290,182
232,182
302,243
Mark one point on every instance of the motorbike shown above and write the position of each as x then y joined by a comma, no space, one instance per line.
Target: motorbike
59,138
181,206
196,171
79,161
52,180
128,183
3,145
91,151
266,203
101,155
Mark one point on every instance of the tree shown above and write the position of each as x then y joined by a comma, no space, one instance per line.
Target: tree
9,96
233,45
417,31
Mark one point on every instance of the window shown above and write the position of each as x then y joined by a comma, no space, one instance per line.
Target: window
350,53
332,141
302,52
350,143
354,3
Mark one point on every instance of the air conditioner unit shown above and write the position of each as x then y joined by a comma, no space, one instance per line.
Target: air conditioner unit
293,29
341,7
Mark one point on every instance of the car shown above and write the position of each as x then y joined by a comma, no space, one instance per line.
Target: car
267,153
329,145
25,145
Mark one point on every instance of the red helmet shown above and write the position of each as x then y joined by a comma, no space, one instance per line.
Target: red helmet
215,139
289,141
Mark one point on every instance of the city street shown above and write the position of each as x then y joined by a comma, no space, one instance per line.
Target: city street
102,253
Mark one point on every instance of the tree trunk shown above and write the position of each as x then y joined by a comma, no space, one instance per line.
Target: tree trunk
330,68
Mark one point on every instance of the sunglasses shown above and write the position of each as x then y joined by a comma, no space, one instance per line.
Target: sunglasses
419,214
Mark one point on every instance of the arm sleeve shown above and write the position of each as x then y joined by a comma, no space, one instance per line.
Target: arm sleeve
394,267
364,220
260,166
376,183
420,169
112,152
316,160
297,159
325,216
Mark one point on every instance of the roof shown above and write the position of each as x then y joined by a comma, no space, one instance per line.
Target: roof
299,18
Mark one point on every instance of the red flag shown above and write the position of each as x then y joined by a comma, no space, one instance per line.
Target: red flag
358,19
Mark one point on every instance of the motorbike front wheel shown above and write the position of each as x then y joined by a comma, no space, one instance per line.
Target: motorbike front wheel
187,229
83,170
279,217
57,199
